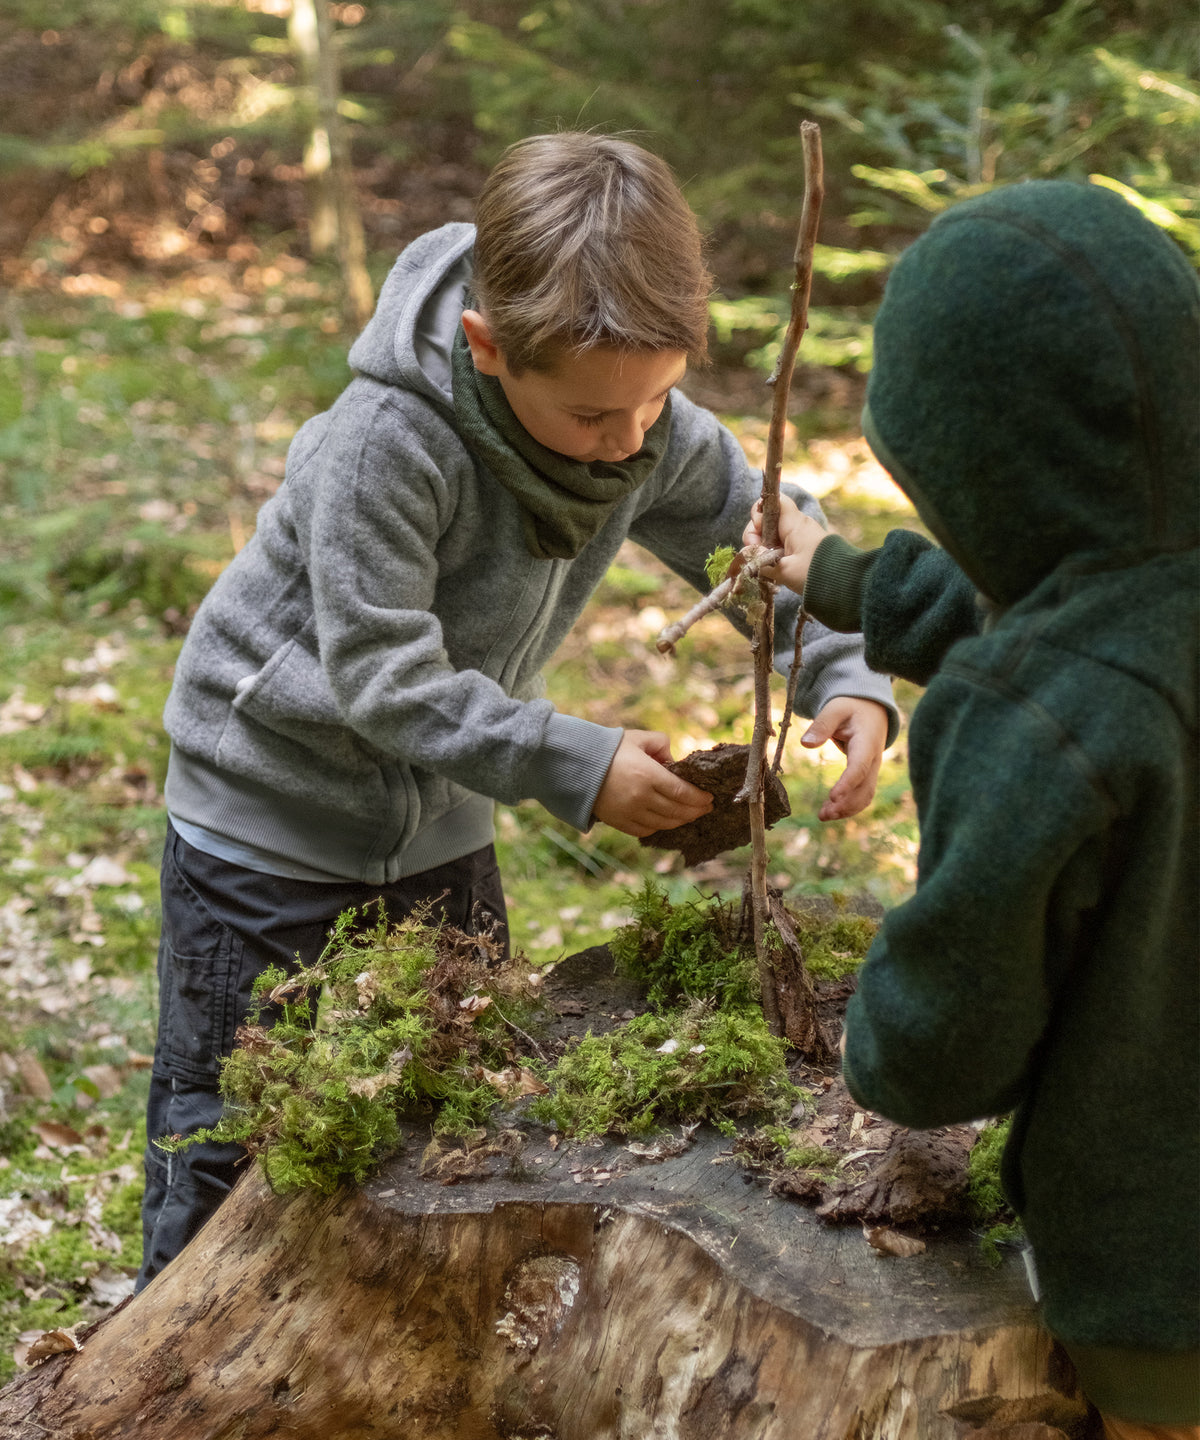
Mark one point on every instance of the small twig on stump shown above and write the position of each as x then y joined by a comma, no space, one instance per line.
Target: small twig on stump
753,789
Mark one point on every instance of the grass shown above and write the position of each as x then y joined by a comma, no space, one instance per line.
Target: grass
140,429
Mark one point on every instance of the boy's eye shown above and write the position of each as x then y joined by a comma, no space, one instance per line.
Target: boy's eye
589,419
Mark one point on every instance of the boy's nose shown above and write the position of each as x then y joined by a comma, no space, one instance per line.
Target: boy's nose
625,437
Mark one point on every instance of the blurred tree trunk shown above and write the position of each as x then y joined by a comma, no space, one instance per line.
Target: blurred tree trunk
335,222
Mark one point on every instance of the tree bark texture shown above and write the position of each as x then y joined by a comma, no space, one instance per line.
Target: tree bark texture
581,1293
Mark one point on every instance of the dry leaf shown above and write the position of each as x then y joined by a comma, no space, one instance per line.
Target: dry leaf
103,870
369,1086
23,780
253,1039
106,1079
891,1242
367,987
475,1004
282,991
58,1137
110,1286
34,1080
514,1082
662,1149
529,1084
52,1342
20,1225
17,713
668,1047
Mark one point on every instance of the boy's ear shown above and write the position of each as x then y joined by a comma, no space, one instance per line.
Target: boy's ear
484,350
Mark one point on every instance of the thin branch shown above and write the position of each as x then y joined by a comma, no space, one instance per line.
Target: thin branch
781,379
814,194
512,1025
789,703
752,790
754,562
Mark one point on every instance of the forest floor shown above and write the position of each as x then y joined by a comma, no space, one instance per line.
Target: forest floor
142,422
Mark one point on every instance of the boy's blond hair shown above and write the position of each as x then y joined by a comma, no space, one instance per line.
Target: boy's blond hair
586,240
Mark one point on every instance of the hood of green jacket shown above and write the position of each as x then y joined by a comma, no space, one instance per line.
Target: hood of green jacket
1036,388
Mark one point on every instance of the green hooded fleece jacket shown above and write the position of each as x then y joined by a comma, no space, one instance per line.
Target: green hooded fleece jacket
1036,393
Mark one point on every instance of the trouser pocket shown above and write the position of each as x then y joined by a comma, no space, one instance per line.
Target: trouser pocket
205,976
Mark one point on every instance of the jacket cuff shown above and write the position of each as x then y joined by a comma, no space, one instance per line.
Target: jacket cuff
836,576
569,767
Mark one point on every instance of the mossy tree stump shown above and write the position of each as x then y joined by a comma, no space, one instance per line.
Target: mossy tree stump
543,1290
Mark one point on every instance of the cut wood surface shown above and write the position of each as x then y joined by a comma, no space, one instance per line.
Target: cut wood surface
596,1291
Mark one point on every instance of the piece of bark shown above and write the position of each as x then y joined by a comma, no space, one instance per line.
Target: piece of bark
721,771
921,1177
795,994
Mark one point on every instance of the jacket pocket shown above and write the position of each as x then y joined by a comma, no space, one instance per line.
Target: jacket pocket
291,697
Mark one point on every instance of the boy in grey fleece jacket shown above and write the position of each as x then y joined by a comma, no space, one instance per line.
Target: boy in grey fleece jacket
362,683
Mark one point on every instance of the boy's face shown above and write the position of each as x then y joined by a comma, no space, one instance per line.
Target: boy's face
593,406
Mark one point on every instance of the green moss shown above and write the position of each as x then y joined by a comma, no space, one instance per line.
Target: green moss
696,950
808,1157
695,1064
411,1016
122,1211
834,948
986,1203
690,951
716,567
771,1148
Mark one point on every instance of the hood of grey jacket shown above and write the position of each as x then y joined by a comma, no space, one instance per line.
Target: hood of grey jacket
406,342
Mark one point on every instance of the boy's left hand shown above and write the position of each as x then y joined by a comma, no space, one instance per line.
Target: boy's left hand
859,729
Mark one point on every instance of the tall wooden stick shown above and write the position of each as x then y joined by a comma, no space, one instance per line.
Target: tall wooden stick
764,635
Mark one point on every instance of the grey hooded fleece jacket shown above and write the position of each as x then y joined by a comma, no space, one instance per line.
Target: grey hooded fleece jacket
363,679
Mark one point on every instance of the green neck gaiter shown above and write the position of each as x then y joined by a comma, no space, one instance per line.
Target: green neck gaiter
563,502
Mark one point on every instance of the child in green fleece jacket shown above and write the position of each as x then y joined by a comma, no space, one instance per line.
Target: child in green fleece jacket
1036,395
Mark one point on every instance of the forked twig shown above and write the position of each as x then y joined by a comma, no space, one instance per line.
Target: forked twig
753,789
748,563
753,562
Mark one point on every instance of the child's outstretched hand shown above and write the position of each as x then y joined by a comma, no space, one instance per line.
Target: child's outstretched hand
640,795
799,536
859,729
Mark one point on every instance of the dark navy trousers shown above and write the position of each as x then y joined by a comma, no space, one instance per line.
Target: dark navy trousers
222,925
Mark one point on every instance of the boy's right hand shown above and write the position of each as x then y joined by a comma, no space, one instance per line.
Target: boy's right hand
799,536
640,795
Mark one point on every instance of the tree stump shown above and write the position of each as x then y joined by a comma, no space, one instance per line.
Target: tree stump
533,1290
